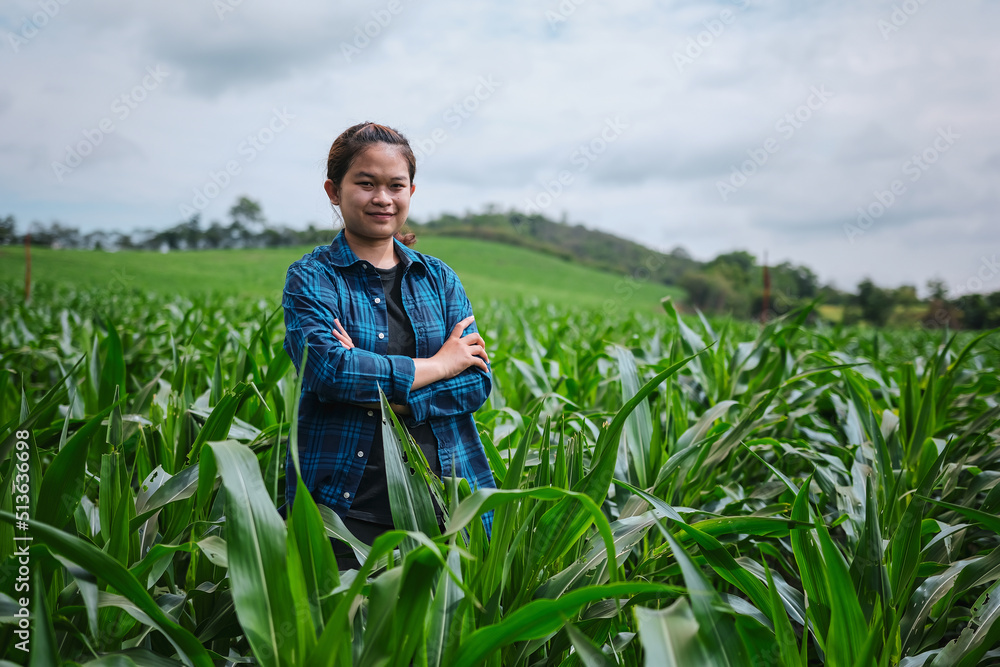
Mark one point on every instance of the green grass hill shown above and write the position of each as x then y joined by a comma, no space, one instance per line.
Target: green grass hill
488,270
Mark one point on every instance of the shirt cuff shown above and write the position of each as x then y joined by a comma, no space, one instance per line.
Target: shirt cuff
403,372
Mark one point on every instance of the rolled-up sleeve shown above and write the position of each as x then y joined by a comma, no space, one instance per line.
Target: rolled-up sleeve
333,372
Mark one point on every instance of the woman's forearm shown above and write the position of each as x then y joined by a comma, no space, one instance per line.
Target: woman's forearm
426,371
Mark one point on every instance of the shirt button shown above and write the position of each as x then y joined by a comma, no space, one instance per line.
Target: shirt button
378,300
364,266
347,494
381,335
370,413
361,455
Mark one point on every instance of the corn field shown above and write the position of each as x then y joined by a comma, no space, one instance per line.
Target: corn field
671,491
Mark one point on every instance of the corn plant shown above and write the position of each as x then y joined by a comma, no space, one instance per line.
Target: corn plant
670,491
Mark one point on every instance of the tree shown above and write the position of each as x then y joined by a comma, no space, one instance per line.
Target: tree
906,295
707,291
938,289
7,233
974,310
740,259
215,235
876,303
54,235
190,231
246,213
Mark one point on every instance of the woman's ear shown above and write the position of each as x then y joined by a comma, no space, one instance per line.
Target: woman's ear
332,192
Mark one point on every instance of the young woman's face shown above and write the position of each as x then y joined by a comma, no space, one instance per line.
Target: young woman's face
374,197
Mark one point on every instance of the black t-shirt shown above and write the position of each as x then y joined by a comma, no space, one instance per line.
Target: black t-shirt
371,503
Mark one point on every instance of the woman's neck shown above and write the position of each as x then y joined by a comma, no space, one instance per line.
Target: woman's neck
380,253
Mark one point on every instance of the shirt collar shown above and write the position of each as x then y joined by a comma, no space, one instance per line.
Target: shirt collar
342,256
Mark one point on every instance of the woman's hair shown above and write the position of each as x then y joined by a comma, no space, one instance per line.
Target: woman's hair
355,140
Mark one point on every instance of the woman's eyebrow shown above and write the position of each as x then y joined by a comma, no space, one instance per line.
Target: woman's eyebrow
367,175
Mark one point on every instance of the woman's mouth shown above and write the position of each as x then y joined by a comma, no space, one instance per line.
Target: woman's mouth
381,216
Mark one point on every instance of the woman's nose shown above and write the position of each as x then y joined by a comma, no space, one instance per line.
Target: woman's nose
381,196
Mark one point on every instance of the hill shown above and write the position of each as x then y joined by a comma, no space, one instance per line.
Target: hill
488,270
732,283
590,247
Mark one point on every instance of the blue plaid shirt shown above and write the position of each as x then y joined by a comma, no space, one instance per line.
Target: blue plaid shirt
335,433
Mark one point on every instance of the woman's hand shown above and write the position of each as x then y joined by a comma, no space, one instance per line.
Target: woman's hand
460,352
341,335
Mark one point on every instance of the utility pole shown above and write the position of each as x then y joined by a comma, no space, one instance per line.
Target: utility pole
27,267
766,301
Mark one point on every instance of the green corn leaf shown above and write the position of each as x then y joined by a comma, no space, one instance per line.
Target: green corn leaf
715,627
980,635
409,498
258,568
307,536
727,443
447,597
639,424
43,408
62,483
726,567
671,637
812,568
218,423
590,654
392,637
784,635
988,521
484,500
904,545
959,577
848,629
112,378
181,486
44,649
94,560
868,571
562,525
540,618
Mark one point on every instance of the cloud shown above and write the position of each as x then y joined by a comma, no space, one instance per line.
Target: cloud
564,69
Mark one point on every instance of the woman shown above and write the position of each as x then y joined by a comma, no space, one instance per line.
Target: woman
376,313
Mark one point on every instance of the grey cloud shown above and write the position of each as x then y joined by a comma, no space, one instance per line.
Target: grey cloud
244,45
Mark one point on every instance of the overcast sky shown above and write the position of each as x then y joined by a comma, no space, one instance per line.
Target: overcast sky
743,124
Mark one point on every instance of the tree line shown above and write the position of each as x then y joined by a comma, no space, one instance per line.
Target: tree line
732,283
247,228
